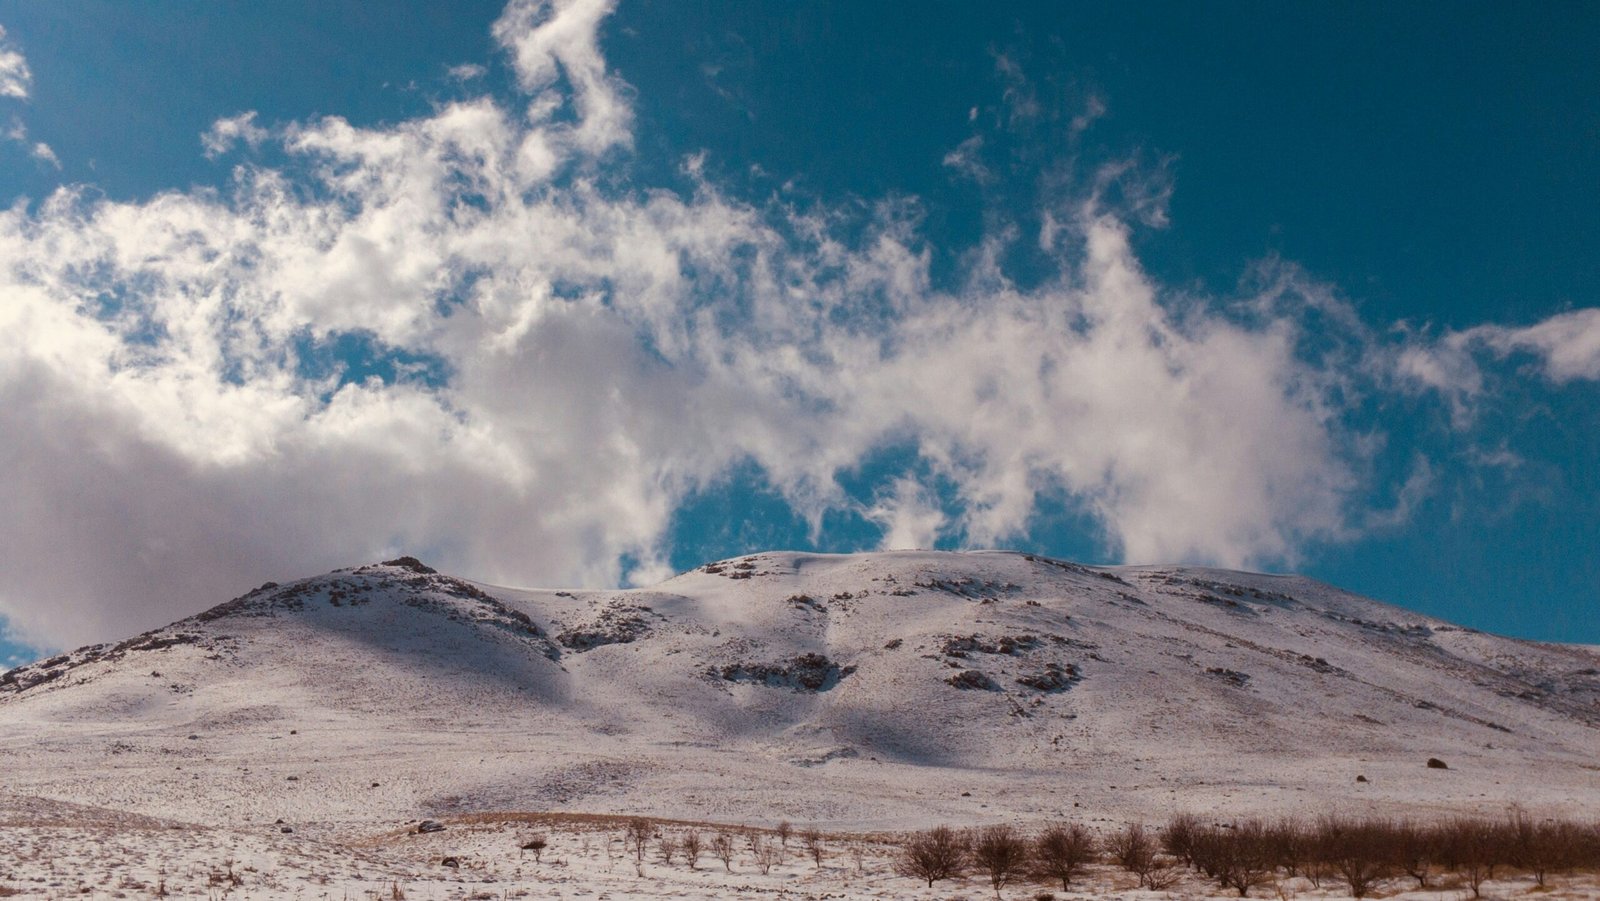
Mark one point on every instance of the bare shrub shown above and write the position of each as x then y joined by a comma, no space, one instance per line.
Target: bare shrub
535,843
935,854
1206,852
637,835
722,849
811,840
784,830
1586,847
1130,847
1415,849
1177,838
1541,847
1356,850
1251,862
1001,854
1239,856
1163,874
1134,849
692,848
1062,852
767,854
756,842
1289,846
667,849
1475,848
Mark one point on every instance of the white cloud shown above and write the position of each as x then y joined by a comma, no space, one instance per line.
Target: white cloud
911,516
16,131
225,133
966,159
1564,348
42,152
1567,345
601,351
557,40
16,79
467,72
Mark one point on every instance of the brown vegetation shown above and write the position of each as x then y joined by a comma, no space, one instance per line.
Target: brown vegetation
938,853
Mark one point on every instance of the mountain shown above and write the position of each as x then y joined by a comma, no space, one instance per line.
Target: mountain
856,691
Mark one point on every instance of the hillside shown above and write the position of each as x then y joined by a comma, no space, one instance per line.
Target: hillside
864,691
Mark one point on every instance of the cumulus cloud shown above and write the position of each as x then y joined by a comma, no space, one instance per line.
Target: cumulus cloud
468,335
15,77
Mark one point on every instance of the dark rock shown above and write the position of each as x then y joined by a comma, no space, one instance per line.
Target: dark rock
1435,763
427,826
1006,645
616,624
1232,677
412,564
1054,678
807,672
972,680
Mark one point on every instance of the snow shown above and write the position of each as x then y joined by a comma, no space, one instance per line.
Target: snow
824,690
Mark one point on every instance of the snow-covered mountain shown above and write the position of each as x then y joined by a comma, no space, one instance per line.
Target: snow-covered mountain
872,690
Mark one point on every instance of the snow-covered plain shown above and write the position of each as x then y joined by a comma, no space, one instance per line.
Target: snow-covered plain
861,694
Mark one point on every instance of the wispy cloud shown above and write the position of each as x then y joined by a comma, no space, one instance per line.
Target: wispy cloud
16,80
1566,346
966,160
560,356
1562,348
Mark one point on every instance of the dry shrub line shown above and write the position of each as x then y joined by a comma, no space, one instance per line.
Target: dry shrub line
1361,853
1364,852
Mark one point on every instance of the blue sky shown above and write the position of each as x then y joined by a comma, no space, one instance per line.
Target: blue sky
575,294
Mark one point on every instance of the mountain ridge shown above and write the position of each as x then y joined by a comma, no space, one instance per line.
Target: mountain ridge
865,690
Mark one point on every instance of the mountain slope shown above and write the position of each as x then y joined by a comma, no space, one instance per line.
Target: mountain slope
864,690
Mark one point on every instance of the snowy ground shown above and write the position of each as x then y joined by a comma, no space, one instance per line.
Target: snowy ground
868,693
478,857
